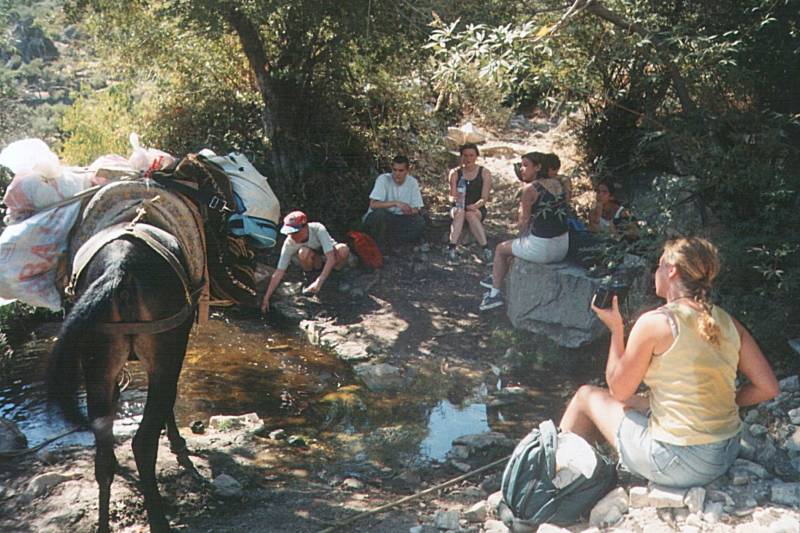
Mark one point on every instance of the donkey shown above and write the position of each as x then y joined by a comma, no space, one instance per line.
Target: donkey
132,302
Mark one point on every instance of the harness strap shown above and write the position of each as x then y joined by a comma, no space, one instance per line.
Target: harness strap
125,229
151,327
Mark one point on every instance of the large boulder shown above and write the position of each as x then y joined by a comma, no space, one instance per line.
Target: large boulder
11,438
553,299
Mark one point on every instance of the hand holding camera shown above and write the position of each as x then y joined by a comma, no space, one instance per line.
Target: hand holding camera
605,302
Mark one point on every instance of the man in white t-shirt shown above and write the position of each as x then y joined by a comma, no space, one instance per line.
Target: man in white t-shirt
312,247
394,205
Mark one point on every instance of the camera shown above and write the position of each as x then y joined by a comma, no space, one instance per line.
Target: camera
609,287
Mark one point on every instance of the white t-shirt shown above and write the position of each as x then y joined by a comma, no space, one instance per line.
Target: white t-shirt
387,190
318,239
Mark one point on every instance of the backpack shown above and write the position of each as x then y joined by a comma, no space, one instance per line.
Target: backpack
527,484
366,249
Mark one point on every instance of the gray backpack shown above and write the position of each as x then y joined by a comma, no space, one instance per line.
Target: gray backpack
527,484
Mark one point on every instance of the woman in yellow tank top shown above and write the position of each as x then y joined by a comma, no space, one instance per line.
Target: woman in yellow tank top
688,352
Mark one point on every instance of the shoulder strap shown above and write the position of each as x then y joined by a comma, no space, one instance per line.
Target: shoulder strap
549,436
460,173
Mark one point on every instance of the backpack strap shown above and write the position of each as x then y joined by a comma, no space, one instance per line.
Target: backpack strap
549,436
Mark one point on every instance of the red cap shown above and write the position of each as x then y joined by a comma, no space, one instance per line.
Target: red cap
294,222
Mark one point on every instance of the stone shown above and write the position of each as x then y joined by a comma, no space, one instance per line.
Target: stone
380,377
536,300
476,513
694,499
757,430
352,483
228,423
748,445
609,510
791,383
550,528
785,524
446,520
493,502
42,483
461,466
424,528
494,526
785,494
793,441
712,512
296,440
665,497
459,451
765,454
351,351
47,457
638,497
483,441
226,487
751,416
754,469
277,434
11,438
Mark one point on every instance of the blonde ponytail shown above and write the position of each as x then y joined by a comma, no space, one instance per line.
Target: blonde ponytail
697,262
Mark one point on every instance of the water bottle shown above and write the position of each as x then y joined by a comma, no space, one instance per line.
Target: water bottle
461,192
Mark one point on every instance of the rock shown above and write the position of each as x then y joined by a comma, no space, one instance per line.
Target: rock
446,520
410,478
638,497
11,438
352,483
47,457
277,434
296,440
791,383
198,427
483,441
461,466
793,441
459,451
44,482
712,512
550,528
748,445
380,377
499,151
765,454
351,351
694,499
424,528
757,430
794,416
785,524
228,423
751,416
226,487
493,502
754,469
467,133
609,510
537,302
665,497
785,494
476,513
494,526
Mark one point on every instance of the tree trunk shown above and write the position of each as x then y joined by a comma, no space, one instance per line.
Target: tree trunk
288,156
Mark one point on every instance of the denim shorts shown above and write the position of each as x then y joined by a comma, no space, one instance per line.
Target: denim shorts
669,464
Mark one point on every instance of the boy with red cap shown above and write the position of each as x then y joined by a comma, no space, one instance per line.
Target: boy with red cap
315,249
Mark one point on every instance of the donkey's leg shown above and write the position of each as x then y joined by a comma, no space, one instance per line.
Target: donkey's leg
101,400
177,444
163,356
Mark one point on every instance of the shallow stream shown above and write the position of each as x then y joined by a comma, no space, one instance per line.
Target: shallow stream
240,365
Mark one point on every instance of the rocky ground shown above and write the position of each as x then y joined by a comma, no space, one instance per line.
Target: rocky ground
415,318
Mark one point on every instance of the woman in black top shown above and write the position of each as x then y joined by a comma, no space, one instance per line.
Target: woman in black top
478,182
542,225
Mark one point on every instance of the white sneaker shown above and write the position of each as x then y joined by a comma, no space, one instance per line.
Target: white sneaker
452,257
490,302
488,256
487,282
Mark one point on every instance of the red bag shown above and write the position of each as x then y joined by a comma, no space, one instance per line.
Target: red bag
366,249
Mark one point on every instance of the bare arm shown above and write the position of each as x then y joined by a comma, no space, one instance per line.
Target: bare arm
274,281
452,178
627,366
529,196
378,204
752,363
330,261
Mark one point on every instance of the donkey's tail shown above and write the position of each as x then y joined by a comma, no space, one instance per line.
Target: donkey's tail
63,373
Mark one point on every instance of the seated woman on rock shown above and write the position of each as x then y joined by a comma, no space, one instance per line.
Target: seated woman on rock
686,431
470,187
542,224
608,215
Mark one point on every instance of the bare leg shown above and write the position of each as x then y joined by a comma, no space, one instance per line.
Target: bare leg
502,258
309,259
457,225
476,226
342,253
592,413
